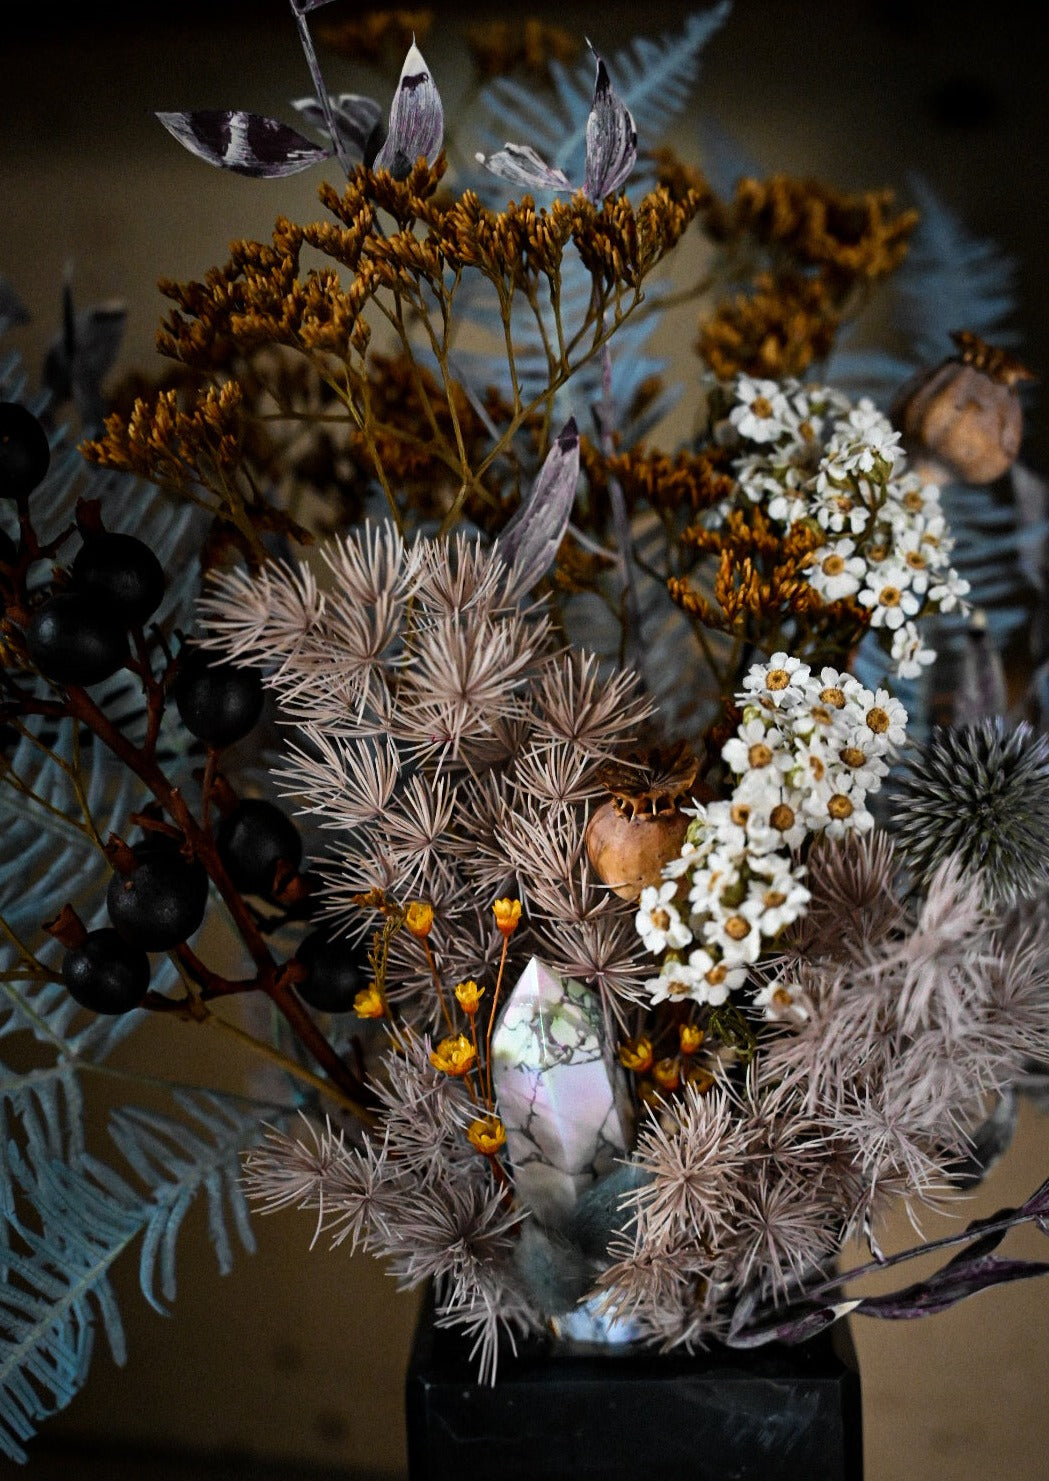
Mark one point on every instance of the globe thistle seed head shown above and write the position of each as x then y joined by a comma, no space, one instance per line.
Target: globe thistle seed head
981,793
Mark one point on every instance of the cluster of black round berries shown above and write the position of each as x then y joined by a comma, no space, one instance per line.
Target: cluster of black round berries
158,896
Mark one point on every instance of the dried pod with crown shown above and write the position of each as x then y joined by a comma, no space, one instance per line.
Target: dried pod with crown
962,421
641,826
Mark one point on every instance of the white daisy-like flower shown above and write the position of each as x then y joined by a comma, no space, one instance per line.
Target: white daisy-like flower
909,656
889,597
788,506
658,919
781,1003
735,932
864,764
780,681
707,884
921,500
835,572
949,593
782,898
880,719
755,747
761,412
677,980
840,812
837,509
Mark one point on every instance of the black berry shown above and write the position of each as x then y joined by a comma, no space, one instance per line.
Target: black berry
218,702
162,901
253,839
24,452
336,971
106,973
74,640
122,573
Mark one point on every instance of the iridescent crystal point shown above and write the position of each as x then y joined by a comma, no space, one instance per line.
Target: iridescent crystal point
559,1090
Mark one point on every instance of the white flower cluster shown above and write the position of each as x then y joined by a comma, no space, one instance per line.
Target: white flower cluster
808,751
807,453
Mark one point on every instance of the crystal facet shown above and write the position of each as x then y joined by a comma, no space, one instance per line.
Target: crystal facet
560,1092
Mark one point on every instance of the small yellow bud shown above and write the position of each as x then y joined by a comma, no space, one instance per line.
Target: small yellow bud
636,1055
507,916
690,1036
486,1135
667,1073
368,1003
699,1077
454,1055
469,996
419,919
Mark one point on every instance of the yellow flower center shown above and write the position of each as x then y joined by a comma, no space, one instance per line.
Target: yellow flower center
834,697
878,720
890,596
759,755
774,899
761,406
833,565
853,756
777,679
839,806
660,919
782,817
738,927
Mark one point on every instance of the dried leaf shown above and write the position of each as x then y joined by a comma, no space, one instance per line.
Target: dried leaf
246,143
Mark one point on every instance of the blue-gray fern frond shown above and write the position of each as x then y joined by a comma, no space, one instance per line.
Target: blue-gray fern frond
950,279
67,1222
653,78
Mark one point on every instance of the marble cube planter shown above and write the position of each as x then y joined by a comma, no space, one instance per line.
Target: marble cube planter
770,1414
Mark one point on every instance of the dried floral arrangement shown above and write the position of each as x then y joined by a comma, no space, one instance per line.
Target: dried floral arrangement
638,855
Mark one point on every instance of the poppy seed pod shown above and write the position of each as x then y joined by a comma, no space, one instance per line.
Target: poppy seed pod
641,827
962,420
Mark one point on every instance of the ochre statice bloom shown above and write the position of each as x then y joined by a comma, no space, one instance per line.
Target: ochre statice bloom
454,1055
636,1055
486,1135
468,996
507,914
418,919
690,1037
369,1003
667,1073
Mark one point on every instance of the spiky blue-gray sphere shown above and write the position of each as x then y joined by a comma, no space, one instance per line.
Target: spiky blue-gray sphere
980,792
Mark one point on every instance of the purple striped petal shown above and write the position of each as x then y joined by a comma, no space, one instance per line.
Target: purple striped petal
532,537
611,140
520,164
246,143
416,119
358,119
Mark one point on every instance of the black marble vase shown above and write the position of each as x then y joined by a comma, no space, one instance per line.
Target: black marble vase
770,1414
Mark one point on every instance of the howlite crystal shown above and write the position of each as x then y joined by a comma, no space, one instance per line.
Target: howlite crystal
559,1091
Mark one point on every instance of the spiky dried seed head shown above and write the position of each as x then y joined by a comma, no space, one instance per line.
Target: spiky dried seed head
980,792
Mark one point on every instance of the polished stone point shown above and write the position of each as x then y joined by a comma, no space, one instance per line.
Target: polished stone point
559,1090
